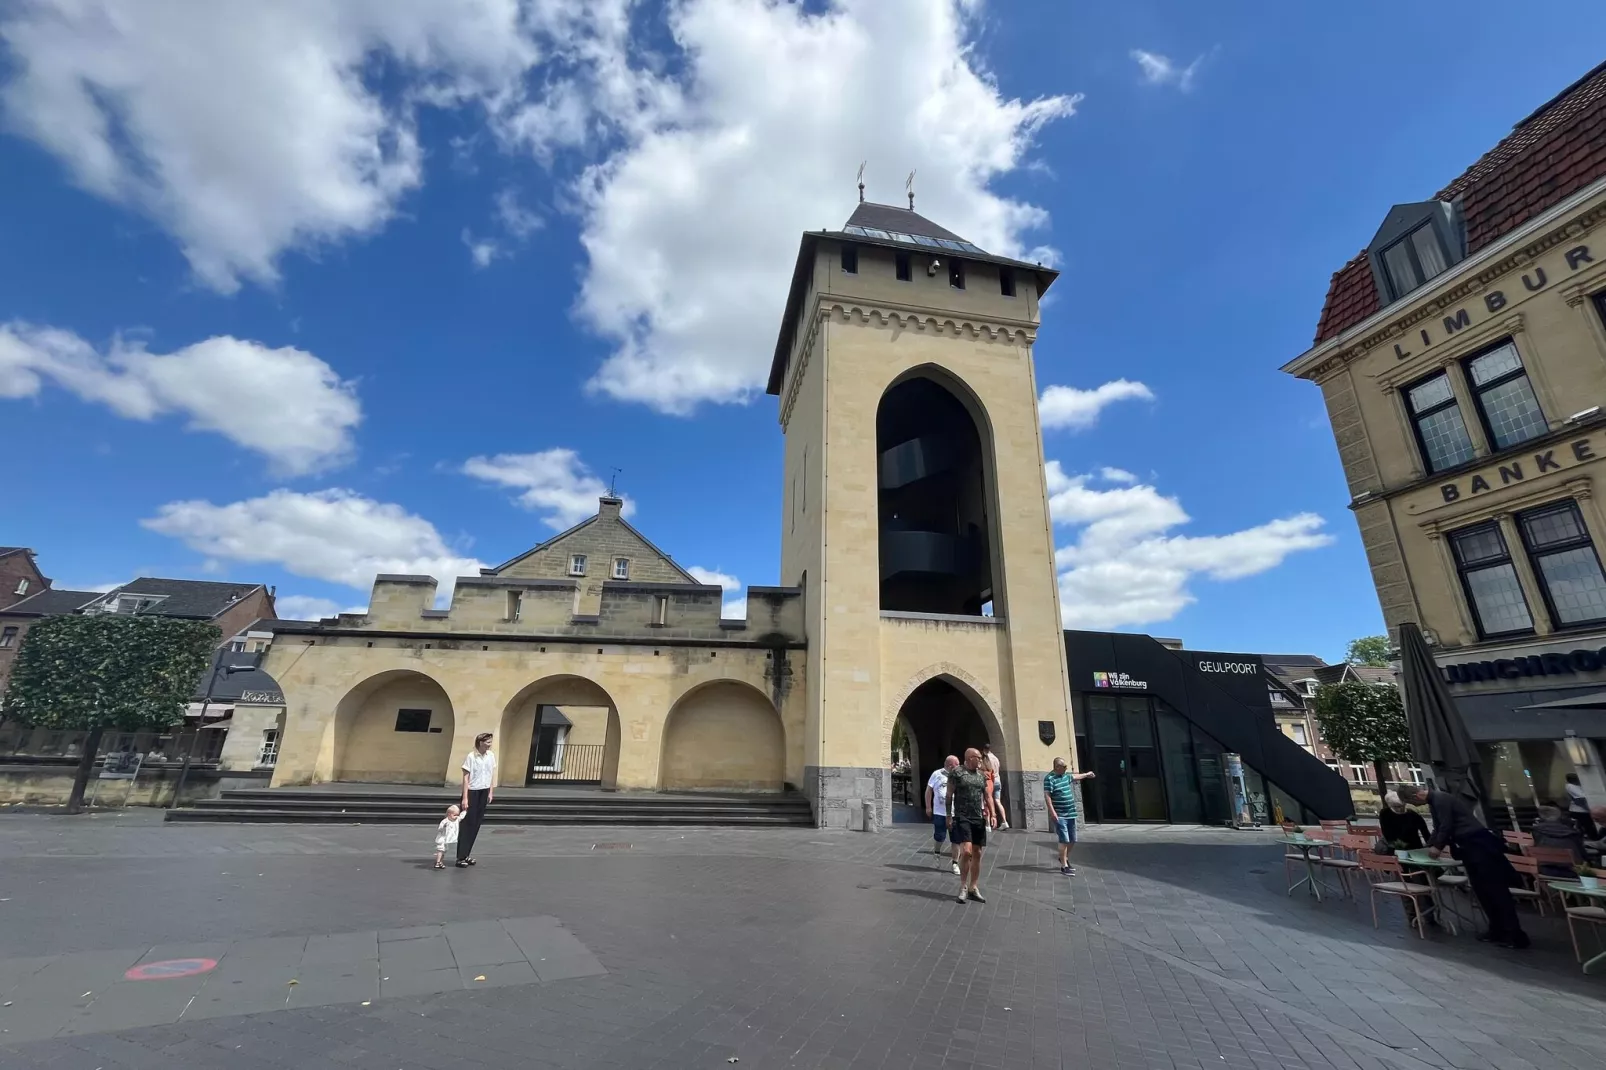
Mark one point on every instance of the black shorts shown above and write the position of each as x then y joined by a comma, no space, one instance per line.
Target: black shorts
968,831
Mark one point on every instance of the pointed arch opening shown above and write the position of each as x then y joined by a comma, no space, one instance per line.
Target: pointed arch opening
942,716
936,497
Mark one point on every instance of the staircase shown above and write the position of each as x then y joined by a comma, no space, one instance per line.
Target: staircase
354,805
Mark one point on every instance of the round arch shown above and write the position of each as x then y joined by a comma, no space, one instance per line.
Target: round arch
937,496
723,735
580,724
394,728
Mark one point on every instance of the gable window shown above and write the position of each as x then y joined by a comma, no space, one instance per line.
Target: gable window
22,586
515,605
850,260
1413,260
577,564
1440,432
1006,281
8,637
901,266
412,720
1490,581
1505,398
621,568
1566,563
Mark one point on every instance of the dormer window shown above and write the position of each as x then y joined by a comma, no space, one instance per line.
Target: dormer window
1416,244
850,260
1413,260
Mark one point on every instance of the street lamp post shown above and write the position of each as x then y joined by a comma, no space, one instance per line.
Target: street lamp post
206,701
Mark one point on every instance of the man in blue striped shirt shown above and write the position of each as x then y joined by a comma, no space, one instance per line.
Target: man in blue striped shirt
1059,792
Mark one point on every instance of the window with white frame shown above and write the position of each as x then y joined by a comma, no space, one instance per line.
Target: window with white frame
1332,763
515,605
8,637
268,752
621,568
577,564
22,585
1359,773
1417,774
1297,730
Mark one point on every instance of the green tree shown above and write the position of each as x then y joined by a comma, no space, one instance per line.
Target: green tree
1368,650
1365,723
91,673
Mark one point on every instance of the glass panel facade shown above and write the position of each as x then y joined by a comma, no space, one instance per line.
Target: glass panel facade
1177,765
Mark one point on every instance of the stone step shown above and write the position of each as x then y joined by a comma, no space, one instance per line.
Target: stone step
371,806
658,817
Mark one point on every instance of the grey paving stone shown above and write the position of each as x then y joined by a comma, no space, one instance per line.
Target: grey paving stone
420,982
481,943
498,975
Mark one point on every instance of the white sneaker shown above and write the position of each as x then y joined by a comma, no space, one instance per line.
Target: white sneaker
961,896
956,869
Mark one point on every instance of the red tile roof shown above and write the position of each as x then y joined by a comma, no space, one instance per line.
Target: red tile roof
1549,156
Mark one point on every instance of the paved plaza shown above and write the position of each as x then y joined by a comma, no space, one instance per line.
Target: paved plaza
126,943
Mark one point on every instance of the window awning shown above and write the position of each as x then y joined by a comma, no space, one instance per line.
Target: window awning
1596,701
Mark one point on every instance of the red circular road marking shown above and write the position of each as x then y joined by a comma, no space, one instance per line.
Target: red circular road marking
169,968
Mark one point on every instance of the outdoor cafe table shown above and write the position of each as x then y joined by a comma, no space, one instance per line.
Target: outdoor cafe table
1306,846
1433,867
1566,888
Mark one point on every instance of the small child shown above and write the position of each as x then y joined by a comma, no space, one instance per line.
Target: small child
446,833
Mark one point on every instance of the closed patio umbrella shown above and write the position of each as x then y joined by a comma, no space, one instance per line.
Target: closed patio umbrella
1439,736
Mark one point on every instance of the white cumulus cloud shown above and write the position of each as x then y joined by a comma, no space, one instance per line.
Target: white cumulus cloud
1078,410
304,607
245,129
1126,567
741,130
1156,69
1117,475
334,535
285,404
735,603
554,483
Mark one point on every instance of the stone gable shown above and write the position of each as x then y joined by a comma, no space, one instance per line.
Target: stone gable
602,539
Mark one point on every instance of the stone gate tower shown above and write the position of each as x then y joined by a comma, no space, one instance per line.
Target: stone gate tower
916,512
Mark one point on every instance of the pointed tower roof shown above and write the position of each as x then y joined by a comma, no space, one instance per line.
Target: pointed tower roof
891,227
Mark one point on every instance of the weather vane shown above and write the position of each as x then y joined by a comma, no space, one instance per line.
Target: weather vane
909,187
613,484
861,181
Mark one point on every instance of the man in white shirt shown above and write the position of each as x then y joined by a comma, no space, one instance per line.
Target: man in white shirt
479,787
937,809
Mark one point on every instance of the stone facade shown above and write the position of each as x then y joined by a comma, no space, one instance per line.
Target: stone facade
855,335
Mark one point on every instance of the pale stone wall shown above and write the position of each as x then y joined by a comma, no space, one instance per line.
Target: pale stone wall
243,744
1539,297
725,736
602,539
483,681
368,747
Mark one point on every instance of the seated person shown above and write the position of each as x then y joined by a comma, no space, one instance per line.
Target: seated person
1553,829
1399,824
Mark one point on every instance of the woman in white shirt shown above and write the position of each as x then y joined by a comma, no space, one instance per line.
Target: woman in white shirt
479,787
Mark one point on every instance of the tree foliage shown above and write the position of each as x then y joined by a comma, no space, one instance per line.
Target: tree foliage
1364,723
90,673
108,671
1368,650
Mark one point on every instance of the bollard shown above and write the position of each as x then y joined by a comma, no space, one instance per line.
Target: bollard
869,815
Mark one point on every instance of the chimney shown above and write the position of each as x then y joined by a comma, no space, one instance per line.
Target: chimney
608,507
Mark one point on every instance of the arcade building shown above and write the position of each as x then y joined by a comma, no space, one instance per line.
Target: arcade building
918,588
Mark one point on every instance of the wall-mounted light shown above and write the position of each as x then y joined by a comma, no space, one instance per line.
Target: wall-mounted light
1577,749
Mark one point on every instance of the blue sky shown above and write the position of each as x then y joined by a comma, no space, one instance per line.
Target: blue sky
295,295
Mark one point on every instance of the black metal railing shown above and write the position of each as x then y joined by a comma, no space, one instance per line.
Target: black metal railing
569,763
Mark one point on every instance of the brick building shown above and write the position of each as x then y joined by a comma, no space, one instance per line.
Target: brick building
19,575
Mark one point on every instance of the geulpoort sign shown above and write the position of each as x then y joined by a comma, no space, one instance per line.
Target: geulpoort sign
1553,664
1242,667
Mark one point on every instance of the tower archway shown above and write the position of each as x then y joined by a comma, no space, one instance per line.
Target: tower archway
939,718
935,495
